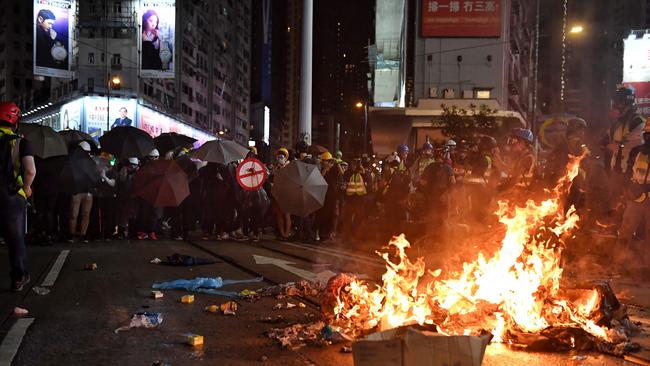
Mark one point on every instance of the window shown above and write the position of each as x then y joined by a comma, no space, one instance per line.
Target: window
482,93
91,84
116,59
91,58
117,7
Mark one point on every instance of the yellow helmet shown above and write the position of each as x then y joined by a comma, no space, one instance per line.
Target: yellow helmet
326,156
283,151
253,149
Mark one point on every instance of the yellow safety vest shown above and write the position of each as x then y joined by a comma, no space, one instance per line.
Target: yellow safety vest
356,186
640,173
16,163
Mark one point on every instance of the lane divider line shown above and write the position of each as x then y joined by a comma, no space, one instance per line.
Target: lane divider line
339,254
11,343
56,268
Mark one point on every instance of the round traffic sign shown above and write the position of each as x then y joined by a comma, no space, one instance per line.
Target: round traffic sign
251,174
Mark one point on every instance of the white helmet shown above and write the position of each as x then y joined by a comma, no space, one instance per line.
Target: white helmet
85,146
393,158
154,153
450,143
134,161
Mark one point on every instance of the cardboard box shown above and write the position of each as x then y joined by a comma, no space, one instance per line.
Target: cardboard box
194,340
406,346
157,295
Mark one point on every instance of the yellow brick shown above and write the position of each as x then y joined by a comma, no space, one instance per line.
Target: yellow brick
195,340
157,294
187,299
212,308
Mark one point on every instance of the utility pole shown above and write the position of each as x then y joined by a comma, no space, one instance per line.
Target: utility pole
306,70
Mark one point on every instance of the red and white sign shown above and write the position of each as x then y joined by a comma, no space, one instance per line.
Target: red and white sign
251,174
641,97
461,18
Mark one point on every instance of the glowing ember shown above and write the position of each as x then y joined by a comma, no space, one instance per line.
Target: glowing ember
516,289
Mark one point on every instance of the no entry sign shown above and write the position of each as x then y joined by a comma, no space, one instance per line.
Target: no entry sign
251,174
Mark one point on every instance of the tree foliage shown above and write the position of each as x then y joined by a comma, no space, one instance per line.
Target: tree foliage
467,124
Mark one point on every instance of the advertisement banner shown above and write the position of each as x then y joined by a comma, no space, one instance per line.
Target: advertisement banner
641,97
636,60
155,123
52,46
71,115
158,30
120,113
455,18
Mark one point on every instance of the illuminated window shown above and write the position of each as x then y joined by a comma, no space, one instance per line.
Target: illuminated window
483,94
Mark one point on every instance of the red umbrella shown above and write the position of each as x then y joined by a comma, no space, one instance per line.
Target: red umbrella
162,183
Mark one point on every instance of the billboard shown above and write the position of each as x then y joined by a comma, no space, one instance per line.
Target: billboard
454,18
120,113
52,45
158,27
636,60
71,115
155,123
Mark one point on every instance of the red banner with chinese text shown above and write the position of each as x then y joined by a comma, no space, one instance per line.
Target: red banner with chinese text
461,18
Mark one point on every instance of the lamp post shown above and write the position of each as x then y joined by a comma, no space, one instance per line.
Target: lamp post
115,80
363,105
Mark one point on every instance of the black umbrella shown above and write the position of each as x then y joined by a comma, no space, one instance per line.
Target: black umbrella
220,151
171,140
299,188
127,142
44,140
80,173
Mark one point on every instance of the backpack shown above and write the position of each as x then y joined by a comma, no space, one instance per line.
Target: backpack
8,154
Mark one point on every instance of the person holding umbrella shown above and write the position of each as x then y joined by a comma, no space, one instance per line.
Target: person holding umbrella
17,172
126,208
81,201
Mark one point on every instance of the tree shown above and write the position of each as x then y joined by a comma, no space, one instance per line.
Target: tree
465,124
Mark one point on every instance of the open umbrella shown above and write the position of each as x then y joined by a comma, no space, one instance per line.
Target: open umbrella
162,183
79,174
316,149
220,151
171,140
299,188
127,142
44,140
74,137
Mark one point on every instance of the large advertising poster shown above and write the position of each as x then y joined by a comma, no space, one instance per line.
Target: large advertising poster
71,115
454,18
120,113
157,33
155,123
53,27
636,71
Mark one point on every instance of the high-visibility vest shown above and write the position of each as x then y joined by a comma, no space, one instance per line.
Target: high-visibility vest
16,160
640,168
356,186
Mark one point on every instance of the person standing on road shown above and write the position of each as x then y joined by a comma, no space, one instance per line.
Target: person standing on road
81,203
17,172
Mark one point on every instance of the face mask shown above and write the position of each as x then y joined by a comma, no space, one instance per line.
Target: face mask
281,159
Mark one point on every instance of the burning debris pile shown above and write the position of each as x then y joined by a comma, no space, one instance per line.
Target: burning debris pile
515,293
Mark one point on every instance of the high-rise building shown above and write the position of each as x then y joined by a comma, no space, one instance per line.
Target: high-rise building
210,89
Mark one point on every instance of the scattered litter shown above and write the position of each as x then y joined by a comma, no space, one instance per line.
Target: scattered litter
186,260
90,267
297,335
155,261
278,306
160,363
212,308
20,311
41,290
302,305
303,289
290,305
200,283
187,299
287,305
346,349
228,308
194,339
264,359
143,320
247,293
579,357
334,334
157,295
272,320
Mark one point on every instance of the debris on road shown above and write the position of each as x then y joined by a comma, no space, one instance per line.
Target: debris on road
228,308
303,289
200,284
90,267
272,320
264,359
155,261
20,311
143,320
334,334
248,293
187,299
579,357
41,290
157,295
290,305
183,260
302,305
297,335
212,308
346,349
160,363
194,339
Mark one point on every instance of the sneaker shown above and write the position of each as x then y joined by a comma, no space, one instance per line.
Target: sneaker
142,236
72,240
83,239
18,285
178,238
153,236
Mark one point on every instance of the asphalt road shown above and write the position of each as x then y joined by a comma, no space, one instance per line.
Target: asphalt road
74,323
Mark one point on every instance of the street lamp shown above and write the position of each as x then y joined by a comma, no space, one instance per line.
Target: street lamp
365,124
576,29
114,81
359,105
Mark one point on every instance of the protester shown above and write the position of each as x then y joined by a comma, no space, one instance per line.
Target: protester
327,215
282,219
17,172
81,203
356,192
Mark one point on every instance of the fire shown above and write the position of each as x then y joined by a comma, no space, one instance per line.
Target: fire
515,289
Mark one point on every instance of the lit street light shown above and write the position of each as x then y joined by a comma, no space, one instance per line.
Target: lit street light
576,29
114,81
359,105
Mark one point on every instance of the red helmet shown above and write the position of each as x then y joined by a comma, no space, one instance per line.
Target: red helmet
9,112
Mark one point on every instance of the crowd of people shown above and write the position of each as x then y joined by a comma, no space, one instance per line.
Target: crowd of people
422,192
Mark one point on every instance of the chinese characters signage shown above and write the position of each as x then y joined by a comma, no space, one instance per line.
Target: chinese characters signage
461,18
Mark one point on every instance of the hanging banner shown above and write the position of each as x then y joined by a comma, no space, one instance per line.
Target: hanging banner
454,18
53,28
157,33
120,113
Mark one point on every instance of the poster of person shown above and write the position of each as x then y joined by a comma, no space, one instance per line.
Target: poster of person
70,114
53,22
120,113
157,34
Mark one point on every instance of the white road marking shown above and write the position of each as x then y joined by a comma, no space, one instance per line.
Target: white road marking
11,343
56,268
286,265
340,254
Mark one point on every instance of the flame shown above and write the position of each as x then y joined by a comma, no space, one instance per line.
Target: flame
517,288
